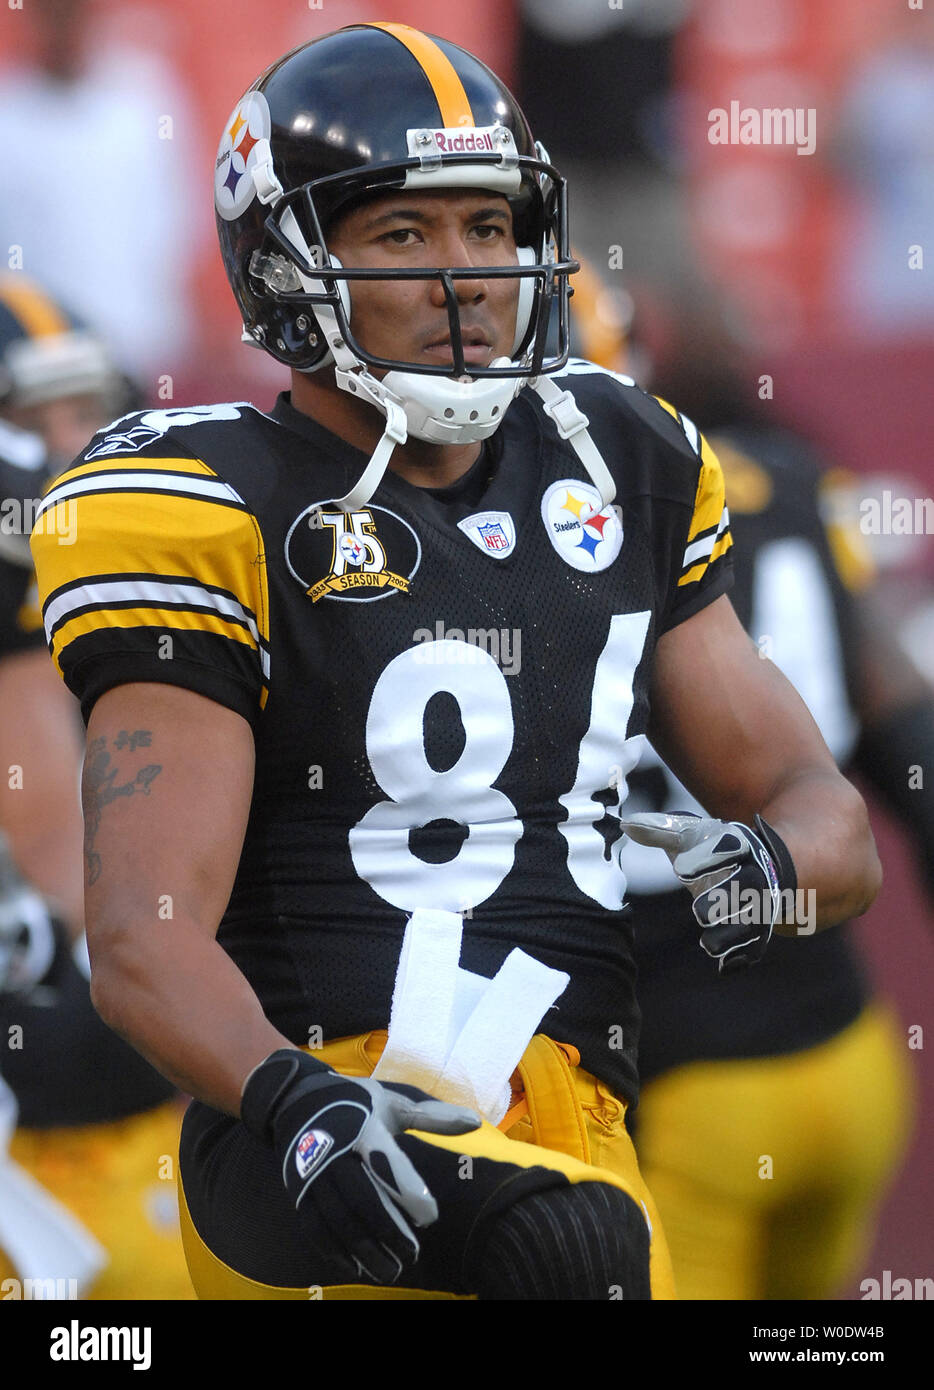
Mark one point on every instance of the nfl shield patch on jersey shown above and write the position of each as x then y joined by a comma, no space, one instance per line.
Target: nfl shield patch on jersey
492,532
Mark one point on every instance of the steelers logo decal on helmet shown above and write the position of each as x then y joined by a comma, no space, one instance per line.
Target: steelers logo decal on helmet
585,533
359,556
242,145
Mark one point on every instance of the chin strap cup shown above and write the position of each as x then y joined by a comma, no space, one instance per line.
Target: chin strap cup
561,407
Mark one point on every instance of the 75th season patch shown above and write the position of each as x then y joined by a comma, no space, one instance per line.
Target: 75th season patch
356,556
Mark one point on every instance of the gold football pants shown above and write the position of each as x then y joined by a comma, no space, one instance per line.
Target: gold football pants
768,1172
117,1178
561,1118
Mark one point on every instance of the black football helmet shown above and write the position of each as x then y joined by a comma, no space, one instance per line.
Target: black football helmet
47,352
367,110
370,108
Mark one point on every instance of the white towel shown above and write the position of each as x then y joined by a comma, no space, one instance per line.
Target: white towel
456,1034
39,1236
423,1000
490,1045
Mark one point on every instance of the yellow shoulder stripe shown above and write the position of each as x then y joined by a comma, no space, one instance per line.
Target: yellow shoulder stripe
709,500
180,536
178,531
133,463
665,405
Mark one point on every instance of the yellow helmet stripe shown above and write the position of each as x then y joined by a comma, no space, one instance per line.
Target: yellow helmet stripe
39,316
438,68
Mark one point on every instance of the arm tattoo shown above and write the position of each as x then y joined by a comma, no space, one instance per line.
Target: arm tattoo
99,786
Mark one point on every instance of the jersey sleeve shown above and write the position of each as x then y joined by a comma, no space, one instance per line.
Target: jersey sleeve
703,569
152,568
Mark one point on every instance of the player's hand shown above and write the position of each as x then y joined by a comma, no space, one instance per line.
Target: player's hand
335,1136
719,862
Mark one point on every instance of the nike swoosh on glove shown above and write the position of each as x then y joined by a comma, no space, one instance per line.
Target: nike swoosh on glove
719,862
352,1186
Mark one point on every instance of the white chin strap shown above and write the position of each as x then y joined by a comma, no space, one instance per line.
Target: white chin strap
435,408
571,423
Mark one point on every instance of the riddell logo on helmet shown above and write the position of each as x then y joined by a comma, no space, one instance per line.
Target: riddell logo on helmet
461,141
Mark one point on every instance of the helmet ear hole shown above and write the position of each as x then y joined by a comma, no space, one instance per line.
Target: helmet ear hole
526,256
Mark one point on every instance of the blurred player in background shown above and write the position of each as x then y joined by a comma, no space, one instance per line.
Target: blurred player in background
98,130
98,1128
776,1101
57,377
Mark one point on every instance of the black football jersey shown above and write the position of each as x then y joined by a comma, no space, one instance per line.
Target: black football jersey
791,597
447,689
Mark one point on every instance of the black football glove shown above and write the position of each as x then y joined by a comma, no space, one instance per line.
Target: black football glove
718,862
335,1136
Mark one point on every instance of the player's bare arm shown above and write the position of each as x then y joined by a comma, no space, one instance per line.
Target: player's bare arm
166,790
41,815
761,752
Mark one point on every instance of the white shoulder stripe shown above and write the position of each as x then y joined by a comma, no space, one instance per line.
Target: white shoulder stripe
698,550
690,429
153,481
148,593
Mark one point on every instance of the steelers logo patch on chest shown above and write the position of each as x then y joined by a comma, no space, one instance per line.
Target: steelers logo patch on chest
586,534
356,556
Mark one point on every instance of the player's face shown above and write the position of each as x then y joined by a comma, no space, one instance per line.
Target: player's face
407,319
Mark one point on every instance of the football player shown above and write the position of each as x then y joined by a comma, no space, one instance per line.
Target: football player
57,378
313,776
97,1127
